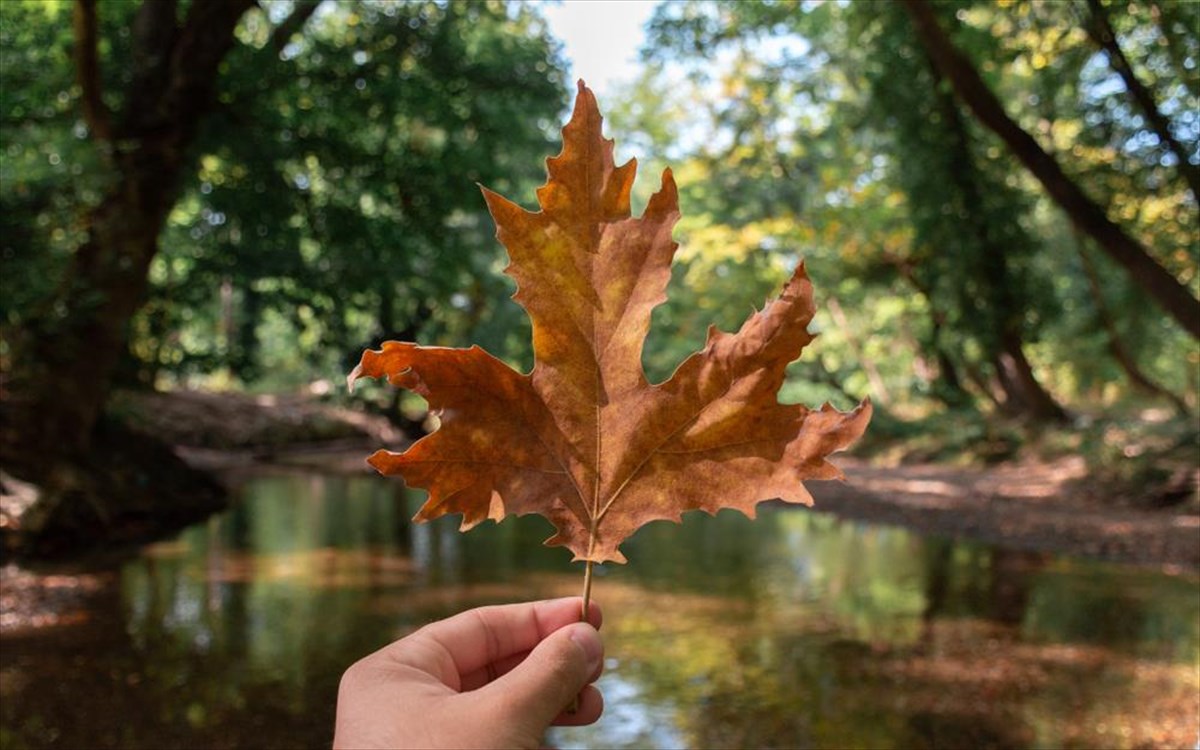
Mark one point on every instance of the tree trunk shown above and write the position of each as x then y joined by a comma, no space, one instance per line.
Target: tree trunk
64,365
1090,218
878,388
949,387
67,362
1010,583
1101,32
1116,346
985,385
99,481
1023,394
244,354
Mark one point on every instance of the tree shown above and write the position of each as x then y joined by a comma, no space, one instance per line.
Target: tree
1148,273
796,168
208,123
971,252
63,363
948,250
350,206
1100,29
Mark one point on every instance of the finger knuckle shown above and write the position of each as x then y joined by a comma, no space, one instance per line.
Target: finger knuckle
355,676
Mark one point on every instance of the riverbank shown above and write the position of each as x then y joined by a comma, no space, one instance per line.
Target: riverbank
1028,505
1057,504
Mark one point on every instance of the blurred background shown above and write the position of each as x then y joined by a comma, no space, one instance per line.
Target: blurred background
209,208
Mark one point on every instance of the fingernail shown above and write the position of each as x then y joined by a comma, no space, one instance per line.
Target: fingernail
589,640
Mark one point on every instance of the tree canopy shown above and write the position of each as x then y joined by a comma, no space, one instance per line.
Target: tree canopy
834,131
999,198
222,187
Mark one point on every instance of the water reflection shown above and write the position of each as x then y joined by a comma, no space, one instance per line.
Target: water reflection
793,630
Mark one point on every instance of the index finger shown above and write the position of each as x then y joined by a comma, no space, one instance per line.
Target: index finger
471,640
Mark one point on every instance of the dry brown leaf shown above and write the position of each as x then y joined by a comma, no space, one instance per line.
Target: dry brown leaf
585,439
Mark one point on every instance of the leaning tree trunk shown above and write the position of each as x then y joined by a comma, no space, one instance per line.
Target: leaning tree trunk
1101,31
1116,345
949,388
98,481
66,365
1023,394
1166,290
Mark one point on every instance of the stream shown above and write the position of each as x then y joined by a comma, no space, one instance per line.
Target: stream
795,630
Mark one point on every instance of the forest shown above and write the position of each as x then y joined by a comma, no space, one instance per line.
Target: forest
997,200
210,208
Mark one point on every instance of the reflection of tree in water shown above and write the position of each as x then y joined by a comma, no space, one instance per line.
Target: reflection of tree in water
125,679
1089,608
234,636
991,583
1012,575
938,554
940,730
726,554
804,690
976,674
817,633
236,527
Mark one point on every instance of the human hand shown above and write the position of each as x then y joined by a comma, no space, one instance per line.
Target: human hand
488,677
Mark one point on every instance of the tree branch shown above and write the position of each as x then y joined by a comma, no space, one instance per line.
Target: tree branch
1175,298
1101,31
293,24
1116,346
155,32
87,69
203,42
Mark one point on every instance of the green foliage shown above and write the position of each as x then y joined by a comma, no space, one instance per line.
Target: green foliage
825,128
970,251
333,205
47,168
345,211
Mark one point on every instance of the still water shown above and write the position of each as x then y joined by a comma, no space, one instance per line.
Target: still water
795,630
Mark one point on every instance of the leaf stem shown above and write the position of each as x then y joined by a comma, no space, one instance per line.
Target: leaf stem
587,592
583,616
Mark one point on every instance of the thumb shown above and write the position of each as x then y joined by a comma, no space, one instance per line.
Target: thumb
545,682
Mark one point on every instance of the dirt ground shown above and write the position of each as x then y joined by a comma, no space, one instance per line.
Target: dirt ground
1027,505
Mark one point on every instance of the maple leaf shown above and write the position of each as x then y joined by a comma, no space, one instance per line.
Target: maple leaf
584,439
